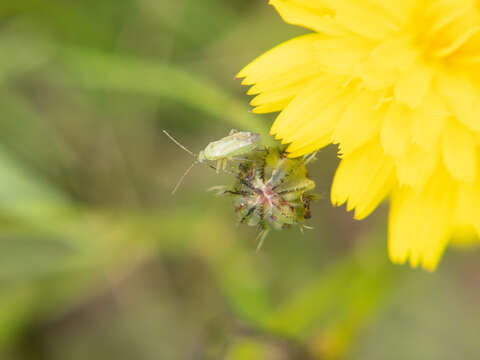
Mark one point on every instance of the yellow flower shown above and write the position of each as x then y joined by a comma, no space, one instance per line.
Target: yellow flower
396,84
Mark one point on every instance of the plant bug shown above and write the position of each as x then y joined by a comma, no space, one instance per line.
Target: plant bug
228,148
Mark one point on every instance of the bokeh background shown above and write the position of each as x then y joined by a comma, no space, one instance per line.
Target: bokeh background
99,261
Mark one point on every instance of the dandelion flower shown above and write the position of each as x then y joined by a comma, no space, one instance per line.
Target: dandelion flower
396,84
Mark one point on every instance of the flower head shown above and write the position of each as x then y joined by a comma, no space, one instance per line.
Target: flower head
396,84
271,191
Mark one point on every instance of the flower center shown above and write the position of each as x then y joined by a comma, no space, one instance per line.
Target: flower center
266,195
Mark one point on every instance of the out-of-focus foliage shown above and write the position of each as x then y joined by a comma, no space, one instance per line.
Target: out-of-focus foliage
98,261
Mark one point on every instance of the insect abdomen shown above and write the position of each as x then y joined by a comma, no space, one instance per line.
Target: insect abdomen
233,145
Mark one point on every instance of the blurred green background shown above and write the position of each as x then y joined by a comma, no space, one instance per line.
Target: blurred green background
98,261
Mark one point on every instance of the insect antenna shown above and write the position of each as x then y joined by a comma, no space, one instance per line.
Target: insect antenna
182,178
189,168
178,143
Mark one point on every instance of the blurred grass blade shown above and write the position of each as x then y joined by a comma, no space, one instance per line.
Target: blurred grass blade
29,136
23,195
21,54
96,70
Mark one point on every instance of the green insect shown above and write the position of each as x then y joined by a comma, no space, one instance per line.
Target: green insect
228,148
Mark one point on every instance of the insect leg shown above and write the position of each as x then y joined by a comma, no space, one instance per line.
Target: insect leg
242,181
241,159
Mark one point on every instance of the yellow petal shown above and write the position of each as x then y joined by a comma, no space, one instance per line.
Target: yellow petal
454,25
324,116
270,107
420,223
281,60
464,237
363,179
275,100
459,42
291,77
310,148
468,205
416,166
318,131
360,122
459,151
428,121
306,105
411,88
309,14
341,55
362,18
395,133
463,98
395,53
400,11
386,63
443,15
